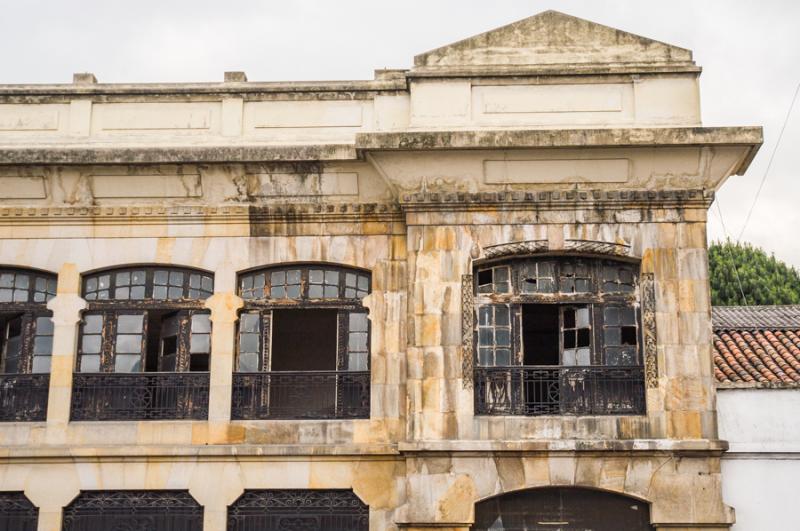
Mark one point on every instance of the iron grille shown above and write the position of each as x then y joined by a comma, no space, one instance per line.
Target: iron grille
17,513
23,397
298,510
557,390
300,395
133,510
142,396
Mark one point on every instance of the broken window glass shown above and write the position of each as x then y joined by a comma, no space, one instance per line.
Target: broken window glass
576,333
537,277
575,277
620,334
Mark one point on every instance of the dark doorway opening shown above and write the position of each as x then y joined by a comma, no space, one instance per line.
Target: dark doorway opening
304,340
563,509
540,330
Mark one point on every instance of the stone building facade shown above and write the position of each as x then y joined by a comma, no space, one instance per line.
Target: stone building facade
521,217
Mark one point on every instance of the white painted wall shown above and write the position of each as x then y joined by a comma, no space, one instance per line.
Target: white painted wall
761,470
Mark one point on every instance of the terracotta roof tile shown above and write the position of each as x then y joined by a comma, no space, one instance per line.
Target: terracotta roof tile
757,344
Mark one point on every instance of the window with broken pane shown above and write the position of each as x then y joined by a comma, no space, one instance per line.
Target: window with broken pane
557,311
26,329
561,337
303,343
303,317
145,319
494,280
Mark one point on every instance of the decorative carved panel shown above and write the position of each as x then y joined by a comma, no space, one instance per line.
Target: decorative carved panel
649,325
467,325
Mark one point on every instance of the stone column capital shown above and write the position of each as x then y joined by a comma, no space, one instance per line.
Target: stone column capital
224,307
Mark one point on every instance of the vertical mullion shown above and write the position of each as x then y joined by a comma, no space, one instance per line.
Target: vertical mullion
26,343
143,346
108,341
266,336
342,337
184,331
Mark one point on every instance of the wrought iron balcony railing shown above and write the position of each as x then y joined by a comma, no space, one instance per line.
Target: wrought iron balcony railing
300,395
23,397
140,396
556,390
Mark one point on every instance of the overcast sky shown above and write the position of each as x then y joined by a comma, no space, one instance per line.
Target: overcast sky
750,53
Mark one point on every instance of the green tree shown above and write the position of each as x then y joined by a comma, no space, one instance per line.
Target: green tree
764,279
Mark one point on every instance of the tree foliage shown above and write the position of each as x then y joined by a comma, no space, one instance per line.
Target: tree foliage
764,279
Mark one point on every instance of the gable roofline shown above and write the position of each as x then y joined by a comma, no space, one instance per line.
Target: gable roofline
550,42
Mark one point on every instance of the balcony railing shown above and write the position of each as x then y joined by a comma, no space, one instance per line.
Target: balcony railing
556,390
140,396
300,395
23,397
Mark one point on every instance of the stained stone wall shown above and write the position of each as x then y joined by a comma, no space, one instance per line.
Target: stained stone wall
553,133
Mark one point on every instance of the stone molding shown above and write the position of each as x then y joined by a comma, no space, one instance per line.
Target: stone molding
570,246
299,213
649,350
543,200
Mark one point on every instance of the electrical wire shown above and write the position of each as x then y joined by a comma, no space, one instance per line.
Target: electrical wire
769,164
730,254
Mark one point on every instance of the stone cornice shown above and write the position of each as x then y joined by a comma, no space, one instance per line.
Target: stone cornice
483,71
751,137
199,214
249,89
560,200
64,154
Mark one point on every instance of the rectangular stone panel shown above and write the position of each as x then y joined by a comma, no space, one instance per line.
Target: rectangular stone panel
555,171
16,117
549,98
294,184
303,114
22,188
155,117
157,186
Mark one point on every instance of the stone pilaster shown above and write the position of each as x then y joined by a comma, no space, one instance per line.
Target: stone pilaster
66,307
224,306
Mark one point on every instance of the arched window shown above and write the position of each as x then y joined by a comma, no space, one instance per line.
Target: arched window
146,319
145,345
174,510
562,508
306,510
303,344
17,513
558,335
26,343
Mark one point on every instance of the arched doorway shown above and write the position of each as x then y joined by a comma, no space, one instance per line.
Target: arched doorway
561,509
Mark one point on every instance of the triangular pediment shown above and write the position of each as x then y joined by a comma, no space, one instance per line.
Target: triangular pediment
552,38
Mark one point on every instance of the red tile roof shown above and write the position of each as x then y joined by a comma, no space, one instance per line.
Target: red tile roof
757,344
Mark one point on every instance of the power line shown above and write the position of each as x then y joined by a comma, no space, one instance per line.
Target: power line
727,245
769,164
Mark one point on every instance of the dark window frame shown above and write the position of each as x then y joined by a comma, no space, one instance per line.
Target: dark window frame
596,298
345,307
28,311
111,309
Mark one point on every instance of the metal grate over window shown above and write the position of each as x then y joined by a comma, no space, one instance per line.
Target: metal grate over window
143,283
17,513
174,510
298,510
